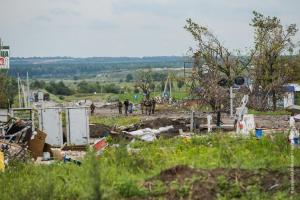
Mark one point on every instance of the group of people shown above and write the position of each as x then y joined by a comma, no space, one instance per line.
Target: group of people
128,107
147,106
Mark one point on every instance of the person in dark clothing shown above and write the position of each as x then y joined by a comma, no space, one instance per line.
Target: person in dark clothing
148,104
142,106
120,105
126,104
153,105
130,108
93,107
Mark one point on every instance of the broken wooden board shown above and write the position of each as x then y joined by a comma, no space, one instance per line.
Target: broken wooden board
36,145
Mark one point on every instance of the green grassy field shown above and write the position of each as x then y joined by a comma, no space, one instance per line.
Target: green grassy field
115,121
177,95
122,174
277,112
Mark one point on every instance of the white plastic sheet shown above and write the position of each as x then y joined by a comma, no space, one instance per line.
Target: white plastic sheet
149,134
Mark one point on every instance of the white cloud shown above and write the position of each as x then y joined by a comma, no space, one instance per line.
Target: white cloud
128,27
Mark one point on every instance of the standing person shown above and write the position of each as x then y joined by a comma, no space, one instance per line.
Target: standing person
294,134
130,108
93,107
148,106
120,105
126,104
153,105
142,106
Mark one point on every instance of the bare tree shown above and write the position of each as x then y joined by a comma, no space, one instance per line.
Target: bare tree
144,81
213,62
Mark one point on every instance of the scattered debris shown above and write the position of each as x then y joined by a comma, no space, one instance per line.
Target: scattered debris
36,145
57,154
99,130
149,134
74,148
100,144
2,165
69,159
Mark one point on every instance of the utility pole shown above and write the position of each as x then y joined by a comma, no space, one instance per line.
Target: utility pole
28,96
231,102
170,85
19,91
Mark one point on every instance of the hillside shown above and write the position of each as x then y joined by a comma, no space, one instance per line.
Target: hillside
54,67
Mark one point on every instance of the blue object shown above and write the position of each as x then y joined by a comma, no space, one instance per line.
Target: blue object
258,133
296,140
289,88
67,159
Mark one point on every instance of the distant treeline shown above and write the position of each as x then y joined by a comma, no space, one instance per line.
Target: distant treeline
55,67
59,88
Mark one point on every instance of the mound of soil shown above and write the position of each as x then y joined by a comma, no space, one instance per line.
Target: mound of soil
99,130
208,183
178,123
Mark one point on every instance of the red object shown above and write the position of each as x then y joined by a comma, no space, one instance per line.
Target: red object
101,144
2,61
241,125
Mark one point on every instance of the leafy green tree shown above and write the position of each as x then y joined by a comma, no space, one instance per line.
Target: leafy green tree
271,67
58,88
212,62
112,88
136,90
129,77
36,84
162,85
144,81
180,83
296,68
152,87
8,90
159,76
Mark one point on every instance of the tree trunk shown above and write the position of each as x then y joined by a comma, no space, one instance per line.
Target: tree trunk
274,100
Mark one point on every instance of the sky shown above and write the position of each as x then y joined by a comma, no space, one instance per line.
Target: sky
87,28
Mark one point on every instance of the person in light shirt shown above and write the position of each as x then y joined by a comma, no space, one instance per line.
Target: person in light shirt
293,130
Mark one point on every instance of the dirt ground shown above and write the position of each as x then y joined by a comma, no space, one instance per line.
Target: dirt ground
206,184
164,115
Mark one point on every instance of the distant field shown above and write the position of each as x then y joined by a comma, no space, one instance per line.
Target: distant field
178,95
65,67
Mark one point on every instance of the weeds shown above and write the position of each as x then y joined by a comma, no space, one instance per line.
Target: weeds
115,121
120,174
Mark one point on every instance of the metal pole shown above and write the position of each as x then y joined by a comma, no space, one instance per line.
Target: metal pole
27,82
231,102
170,85
192,121
209,118
19,90
24,95
184,70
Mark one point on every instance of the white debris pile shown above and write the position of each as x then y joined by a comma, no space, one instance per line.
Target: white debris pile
148,134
